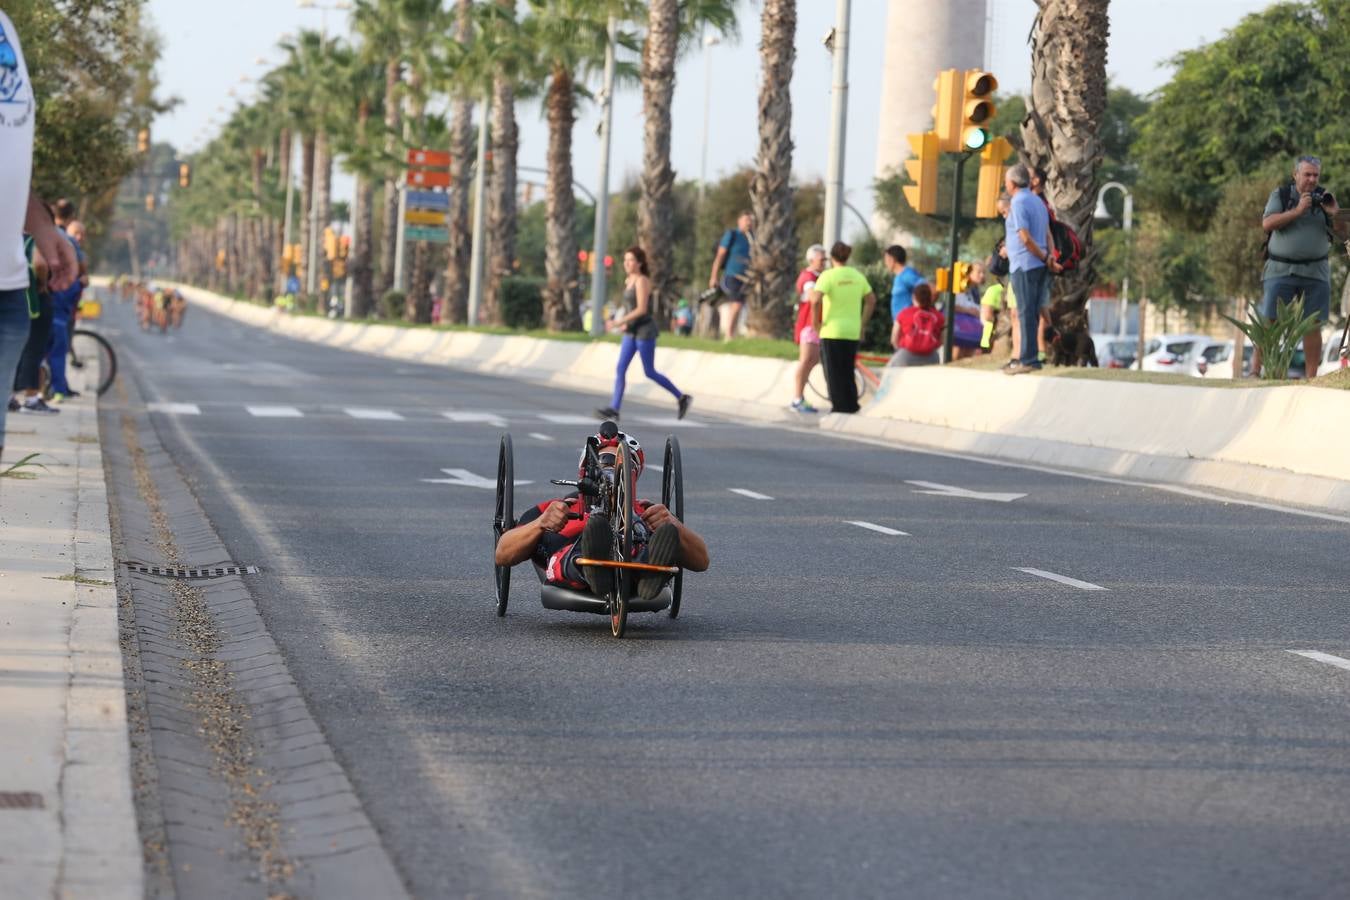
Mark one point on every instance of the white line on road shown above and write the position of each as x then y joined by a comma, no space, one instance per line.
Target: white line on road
947,490
881,529
275,412
567,419
540,436
1062,579
653,467
492,419
175,409
753,495
1327,658
670,422
377,415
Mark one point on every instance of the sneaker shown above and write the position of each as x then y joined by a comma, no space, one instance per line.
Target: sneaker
685,401
14,405
662,549
38,405
597,542
800,405
1020,369
608,412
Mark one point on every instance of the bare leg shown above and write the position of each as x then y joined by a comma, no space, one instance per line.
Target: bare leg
1312,351
808,354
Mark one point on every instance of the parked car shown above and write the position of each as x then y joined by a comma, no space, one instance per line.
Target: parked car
1172,352
1331,356
1114,351
1215,360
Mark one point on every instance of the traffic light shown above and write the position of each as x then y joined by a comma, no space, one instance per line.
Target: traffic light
143,141
947,113
149,202
220,260
345,246
977,108
923,171
960,276
329,244
942,280
184,175
992,167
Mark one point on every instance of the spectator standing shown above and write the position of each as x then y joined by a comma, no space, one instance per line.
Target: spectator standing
733,262
20,209
1299,220
966,327
28,379
640,331
905,277
996,325
64,303
1027,240
916,333
841,303
682,318
805,333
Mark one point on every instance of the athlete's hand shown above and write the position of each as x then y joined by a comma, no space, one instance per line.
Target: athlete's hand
555,517
657,515
62,264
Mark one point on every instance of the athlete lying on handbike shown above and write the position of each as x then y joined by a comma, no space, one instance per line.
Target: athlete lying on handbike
558,532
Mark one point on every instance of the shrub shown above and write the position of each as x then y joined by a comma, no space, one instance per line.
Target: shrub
393,303
1278,340
522,302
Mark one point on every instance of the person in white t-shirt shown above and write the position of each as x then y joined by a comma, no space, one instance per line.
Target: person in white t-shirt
20,210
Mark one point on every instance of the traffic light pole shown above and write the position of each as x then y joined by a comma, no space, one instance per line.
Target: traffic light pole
955,248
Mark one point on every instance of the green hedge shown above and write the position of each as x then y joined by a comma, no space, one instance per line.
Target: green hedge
522,302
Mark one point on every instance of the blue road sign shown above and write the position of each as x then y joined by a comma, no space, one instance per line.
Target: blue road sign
428,200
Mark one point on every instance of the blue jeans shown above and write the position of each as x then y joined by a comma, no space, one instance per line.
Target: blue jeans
58,348
1030,287
13,335
647,350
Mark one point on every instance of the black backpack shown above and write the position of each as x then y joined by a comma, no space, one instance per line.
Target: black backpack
1065,244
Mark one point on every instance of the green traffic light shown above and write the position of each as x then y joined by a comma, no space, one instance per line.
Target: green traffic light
976,138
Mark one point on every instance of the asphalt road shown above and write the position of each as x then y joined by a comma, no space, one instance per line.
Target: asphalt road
838,711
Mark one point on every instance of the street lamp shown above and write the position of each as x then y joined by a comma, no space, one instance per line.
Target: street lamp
1103,215
709,41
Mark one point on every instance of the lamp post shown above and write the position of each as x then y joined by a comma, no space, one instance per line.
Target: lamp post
709,41
1103,215
837,44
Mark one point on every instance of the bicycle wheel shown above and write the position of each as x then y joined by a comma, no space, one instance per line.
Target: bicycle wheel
815,383
860,381
623,542
86,345
503,518
672,497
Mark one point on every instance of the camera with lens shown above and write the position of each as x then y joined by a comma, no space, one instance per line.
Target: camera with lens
1322,197
711,295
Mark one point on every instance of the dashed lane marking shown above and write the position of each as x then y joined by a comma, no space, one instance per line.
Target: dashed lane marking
540,436
175,409
1062,579
753,495
275,412
568,419
1321,657
376,415
669,422
880,529
471,418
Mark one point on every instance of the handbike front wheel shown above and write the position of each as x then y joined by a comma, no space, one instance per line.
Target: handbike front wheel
672,497
623,542
503,517
86,345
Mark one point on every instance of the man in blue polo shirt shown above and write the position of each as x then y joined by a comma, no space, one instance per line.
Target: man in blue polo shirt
902,285
733,261
1027,238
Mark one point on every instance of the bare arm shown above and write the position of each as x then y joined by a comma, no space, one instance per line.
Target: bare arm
1043,255
869,306
717,266
517,545
815,298
62,262
643,286
693,550
895,333
1276,221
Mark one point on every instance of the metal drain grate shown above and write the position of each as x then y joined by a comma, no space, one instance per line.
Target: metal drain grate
21,800
189,572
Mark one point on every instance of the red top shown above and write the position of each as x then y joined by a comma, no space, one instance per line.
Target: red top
805,281
920,329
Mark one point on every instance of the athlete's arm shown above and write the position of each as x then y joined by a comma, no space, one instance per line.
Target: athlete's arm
517,545
693,551
869,304
717,264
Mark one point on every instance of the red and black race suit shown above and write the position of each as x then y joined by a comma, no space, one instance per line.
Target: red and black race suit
554,549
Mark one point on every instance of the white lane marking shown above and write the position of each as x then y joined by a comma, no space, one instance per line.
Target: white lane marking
492,419
465,478
753,495
881,529
947,490
1327,658
653,467
377,415
275,412
568,419
540,436
175,409
1062,579
670,422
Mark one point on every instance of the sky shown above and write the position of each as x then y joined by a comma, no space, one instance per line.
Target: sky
209,48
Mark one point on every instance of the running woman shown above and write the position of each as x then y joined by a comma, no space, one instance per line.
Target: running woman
640,330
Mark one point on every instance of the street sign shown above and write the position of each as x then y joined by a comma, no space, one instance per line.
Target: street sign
420,178
433,158
428,200
424,217
432,235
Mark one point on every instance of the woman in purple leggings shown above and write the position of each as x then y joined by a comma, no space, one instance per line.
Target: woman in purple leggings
639,327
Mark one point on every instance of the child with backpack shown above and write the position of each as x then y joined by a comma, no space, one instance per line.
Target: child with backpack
916,333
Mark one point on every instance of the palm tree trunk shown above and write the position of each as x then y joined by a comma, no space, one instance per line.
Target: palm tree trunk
501,209
461,153
389,226
307,160
561,311
323,169
359,261
1061,133
656,211
283,178
773,244
418,301
260,258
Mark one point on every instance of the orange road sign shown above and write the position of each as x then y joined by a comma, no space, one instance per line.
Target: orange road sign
432,158
421,178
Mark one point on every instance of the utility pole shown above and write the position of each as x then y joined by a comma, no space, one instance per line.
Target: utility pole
287,227
954,249
479,188
834,181
400,240
601,238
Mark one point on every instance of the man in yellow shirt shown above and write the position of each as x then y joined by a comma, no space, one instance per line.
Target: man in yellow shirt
841,303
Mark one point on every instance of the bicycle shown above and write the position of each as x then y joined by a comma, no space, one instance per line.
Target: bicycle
863,376
85,345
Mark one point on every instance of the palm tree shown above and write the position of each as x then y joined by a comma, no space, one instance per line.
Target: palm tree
461,153
381,25
501,211
1061,133
773,245
361,80
424,22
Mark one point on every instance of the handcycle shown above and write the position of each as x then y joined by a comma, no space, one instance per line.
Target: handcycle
614,499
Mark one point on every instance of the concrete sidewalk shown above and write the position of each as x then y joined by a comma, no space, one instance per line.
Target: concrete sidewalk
67,819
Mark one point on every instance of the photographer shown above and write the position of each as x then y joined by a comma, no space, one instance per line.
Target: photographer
1299,227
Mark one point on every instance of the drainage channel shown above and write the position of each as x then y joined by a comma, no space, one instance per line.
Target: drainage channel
238,793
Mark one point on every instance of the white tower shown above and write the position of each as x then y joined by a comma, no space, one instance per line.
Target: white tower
922,38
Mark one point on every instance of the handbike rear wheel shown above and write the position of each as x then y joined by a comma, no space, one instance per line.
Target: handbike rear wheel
86,345
672,497
503,518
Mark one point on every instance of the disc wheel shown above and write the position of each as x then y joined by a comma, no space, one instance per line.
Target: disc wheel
503,518
672,498
623,542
